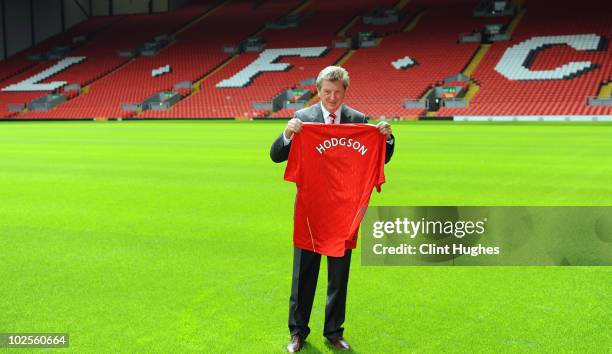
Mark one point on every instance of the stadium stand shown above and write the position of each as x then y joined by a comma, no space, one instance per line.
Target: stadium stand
435,60
541,94
21,61
103,58
20,66
322,21
190,57
224,64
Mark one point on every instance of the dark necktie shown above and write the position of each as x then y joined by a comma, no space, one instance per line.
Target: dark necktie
332,118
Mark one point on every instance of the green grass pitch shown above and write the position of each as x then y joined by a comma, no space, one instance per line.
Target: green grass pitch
161,237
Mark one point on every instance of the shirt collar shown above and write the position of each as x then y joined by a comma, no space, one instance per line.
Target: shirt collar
326,113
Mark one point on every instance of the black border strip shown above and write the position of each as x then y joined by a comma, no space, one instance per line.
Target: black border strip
5,50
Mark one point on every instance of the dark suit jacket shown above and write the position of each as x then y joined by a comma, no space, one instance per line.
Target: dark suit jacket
279,152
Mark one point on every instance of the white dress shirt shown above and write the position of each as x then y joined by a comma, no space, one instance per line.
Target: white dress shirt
326,114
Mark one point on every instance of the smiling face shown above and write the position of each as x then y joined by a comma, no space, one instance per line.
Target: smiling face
331,94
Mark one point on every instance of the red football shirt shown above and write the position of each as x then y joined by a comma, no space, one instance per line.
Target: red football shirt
335,167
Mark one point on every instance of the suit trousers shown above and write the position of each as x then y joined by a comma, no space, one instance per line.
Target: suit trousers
303,285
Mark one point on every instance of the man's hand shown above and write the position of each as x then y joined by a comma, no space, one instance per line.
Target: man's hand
384,128
293,126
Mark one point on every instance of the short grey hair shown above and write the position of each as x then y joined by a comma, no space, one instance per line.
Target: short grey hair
333,73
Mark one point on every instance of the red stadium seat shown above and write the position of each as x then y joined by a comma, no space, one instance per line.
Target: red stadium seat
378,88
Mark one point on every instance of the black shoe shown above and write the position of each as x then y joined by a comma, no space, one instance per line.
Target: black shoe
296,344
339,343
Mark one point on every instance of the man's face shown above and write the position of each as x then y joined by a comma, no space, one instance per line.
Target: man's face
331,94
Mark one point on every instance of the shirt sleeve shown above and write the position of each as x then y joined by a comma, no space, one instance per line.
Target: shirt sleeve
292,171
286,140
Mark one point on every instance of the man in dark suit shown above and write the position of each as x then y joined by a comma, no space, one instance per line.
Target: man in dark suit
332,83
